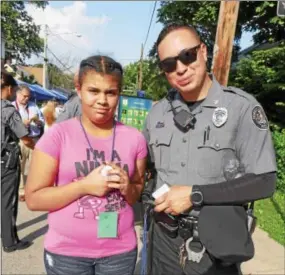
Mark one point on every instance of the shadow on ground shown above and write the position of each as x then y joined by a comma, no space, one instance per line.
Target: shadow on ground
31,222
36,234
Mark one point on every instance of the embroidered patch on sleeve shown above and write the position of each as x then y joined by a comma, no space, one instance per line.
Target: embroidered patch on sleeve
259,118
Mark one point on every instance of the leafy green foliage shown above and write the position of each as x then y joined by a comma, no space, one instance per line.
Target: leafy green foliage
154,83
20,32
57,78
279,145
262,74
261,17
203,15
254,16
28,79
270,216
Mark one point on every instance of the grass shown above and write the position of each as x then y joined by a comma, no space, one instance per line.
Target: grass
271,216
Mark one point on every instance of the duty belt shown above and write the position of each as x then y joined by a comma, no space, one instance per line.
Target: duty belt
186,227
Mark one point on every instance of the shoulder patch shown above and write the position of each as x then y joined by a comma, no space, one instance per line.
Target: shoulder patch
259,118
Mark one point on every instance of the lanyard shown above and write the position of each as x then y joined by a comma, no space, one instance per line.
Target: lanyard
88,141
26,108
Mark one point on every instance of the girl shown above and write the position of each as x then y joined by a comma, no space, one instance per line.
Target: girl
91,221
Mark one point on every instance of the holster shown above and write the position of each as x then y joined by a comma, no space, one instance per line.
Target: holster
13,153
168,224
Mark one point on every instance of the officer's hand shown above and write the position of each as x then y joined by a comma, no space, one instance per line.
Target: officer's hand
175,201
118,178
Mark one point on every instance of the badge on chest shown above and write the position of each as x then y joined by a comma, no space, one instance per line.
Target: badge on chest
220,116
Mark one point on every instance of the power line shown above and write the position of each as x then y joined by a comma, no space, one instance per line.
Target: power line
59,61
69,43
150,23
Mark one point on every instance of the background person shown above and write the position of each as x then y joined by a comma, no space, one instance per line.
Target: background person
12,129
34,121
72,107
82,197
49,113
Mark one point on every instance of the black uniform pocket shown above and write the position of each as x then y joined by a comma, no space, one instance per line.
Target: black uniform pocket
160,142
212,156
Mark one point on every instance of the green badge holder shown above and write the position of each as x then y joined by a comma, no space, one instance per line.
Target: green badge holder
108,225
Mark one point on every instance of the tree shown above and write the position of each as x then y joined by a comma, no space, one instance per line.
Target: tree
20,32
262,74
154,83
29,79
57,77
254,16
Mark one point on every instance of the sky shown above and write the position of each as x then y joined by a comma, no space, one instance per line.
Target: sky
78,29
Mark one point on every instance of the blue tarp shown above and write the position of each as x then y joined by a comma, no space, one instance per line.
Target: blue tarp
59,95
40,94
39,90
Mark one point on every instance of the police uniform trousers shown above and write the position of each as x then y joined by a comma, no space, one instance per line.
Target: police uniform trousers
163,258
10,180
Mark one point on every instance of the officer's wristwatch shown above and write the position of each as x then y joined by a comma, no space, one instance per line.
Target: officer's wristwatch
196,196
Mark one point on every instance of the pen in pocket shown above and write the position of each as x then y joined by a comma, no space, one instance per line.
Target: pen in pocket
208,132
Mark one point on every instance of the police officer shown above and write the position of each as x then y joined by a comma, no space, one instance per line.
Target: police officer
72,107
12,129
212,147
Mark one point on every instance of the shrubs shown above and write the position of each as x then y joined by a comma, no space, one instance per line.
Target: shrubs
278,136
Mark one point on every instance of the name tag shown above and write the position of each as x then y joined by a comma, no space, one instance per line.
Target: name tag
108,225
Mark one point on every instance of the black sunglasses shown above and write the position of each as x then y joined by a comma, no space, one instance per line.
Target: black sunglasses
186,56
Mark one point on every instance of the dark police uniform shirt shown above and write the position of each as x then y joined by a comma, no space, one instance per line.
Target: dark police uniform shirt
241,145
12,119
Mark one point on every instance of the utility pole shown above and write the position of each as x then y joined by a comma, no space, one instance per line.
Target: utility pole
140,70
45,59
225,34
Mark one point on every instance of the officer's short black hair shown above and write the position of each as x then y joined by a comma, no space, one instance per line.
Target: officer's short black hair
7,80
100,64
173,27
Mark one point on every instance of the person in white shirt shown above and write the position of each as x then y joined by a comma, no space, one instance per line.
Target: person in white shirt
34,121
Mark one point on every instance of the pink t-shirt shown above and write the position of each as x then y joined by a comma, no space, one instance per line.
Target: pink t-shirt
73,229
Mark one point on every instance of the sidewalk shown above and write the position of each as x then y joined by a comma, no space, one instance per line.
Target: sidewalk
269,256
